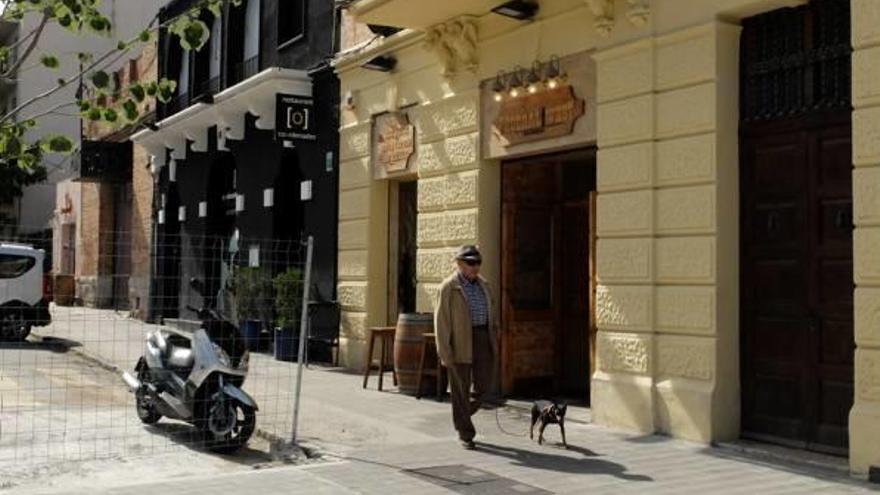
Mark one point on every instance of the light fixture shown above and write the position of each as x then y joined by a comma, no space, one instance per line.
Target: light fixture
533,78
382,63
555,76
514,82
520,10
498,87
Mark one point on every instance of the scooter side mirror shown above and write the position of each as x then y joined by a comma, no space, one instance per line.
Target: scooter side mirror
197,285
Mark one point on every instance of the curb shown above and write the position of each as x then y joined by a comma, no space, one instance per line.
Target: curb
88,356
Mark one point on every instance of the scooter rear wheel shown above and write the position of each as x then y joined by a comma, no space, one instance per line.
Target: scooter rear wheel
143,403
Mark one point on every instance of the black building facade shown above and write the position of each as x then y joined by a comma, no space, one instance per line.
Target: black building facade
223,174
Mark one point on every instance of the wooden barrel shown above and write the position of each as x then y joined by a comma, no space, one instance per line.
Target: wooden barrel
408,348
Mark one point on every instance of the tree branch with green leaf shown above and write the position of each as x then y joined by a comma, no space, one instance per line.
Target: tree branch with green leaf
105,102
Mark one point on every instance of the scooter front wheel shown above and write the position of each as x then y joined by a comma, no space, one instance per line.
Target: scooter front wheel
228,425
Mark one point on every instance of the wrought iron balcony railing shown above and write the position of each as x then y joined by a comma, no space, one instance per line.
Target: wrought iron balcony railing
244,70
205,90
177,104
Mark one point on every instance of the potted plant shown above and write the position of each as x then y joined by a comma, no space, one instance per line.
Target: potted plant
288,312
253,289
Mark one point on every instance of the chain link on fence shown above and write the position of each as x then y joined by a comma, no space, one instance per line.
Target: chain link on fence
176,320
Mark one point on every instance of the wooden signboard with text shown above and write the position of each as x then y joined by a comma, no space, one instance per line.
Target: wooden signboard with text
533,117
394,144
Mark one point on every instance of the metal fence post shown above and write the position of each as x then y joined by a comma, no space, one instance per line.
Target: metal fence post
303,335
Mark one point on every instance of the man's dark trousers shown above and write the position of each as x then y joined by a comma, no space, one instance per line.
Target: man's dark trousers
482,372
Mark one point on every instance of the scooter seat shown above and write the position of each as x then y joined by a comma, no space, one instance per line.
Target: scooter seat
180,357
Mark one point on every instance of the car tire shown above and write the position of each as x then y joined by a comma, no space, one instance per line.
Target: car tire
13,326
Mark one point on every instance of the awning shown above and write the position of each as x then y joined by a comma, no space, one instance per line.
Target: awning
255,95
418,15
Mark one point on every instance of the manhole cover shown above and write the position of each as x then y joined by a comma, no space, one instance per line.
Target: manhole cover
468,480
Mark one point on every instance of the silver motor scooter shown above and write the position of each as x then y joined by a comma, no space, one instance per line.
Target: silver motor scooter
197,378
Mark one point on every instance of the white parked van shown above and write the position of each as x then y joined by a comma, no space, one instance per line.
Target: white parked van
22,302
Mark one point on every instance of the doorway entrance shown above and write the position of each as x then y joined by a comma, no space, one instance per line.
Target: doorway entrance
403,212
796,251
547,283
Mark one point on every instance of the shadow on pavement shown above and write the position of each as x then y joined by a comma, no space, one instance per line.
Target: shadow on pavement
184,435
52,344
647,439
562,463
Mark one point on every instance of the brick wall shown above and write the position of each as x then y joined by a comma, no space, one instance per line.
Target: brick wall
141,226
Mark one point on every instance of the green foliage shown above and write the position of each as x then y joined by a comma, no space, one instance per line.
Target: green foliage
50,61
57,144
15,176
253,293
20,156
288,297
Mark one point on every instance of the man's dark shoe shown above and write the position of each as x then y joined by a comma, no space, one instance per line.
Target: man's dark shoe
468,444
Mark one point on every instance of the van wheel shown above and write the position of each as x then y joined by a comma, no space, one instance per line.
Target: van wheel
13,326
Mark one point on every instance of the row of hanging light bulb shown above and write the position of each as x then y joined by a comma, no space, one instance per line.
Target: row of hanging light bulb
521,81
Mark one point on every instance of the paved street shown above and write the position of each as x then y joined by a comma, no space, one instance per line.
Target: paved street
65,422
384,442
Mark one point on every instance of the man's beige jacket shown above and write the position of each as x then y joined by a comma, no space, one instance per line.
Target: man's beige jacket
452,322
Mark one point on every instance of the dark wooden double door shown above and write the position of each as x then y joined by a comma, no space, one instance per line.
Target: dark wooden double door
546,275
797,282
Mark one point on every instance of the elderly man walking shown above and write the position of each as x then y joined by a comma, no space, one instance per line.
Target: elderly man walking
467,338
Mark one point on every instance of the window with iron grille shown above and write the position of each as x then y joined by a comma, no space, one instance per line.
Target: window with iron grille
291,21
796,60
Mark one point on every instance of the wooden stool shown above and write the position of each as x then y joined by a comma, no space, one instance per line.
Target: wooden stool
429,344
385,335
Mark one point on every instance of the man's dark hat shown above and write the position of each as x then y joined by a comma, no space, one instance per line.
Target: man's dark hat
468,252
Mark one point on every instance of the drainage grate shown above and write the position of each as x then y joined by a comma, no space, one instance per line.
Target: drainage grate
467,480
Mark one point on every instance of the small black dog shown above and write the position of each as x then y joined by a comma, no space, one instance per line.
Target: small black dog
548,413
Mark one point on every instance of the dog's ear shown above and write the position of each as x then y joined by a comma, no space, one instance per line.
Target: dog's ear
562,409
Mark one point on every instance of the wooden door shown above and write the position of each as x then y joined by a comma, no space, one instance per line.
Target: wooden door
546,274
530,287
797,283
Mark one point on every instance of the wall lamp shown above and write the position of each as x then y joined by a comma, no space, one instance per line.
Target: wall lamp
521,10
520,81
382,63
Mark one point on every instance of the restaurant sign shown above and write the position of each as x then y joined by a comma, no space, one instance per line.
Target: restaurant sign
394,143
532,117
295,118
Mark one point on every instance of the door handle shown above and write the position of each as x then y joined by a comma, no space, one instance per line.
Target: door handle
842,219
813,324
772,222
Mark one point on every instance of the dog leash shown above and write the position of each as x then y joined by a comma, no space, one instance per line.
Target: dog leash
501,428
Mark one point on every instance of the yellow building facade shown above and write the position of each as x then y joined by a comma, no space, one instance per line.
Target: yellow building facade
669,344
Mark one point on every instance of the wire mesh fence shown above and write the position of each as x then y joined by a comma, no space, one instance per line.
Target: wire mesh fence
184,341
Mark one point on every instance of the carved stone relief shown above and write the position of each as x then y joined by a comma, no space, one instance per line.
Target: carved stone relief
455,45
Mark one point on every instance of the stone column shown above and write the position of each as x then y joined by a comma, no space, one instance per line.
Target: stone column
667,260
864,433
362,235
696,243
622,391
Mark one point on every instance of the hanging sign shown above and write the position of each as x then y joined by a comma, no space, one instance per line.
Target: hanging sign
532,117
394,143
295,117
